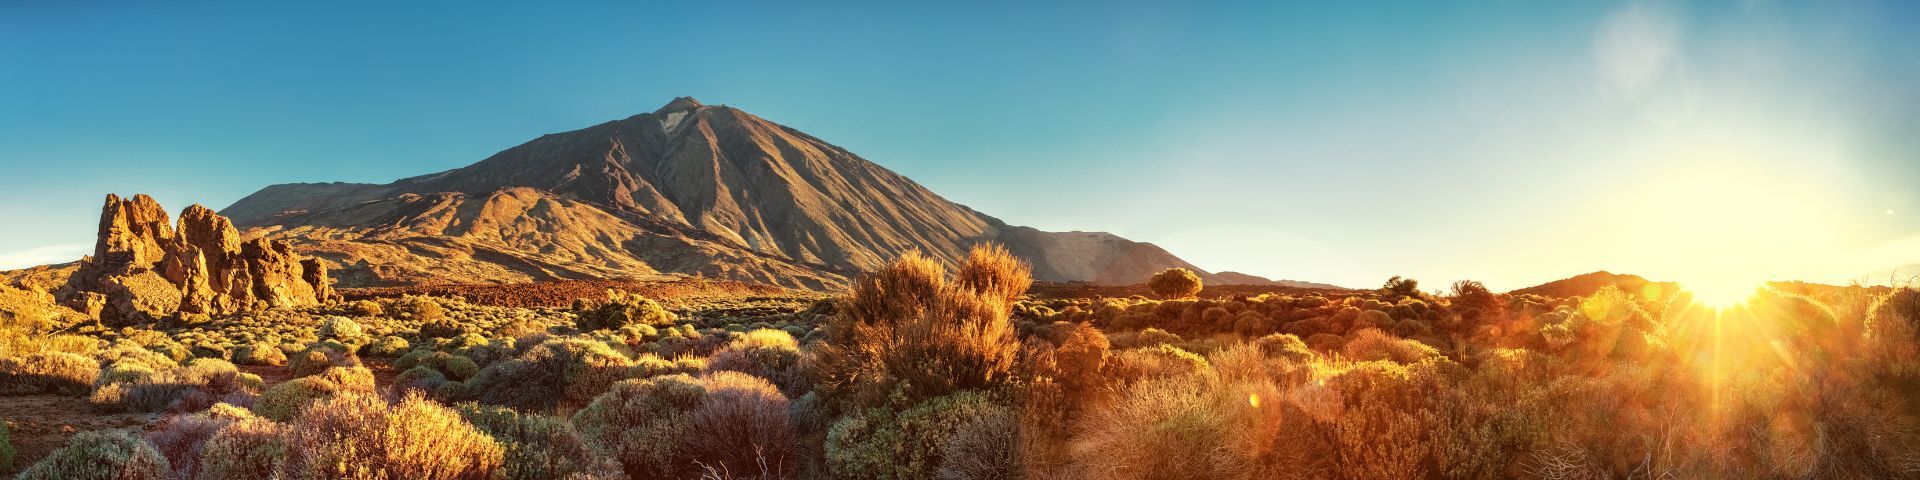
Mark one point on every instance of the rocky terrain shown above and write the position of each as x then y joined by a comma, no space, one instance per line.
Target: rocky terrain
144,267
688,189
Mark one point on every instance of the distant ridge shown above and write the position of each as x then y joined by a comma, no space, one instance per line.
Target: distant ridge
1588,283
687,190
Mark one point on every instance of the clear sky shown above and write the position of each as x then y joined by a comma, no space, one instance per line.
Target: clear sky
1509,141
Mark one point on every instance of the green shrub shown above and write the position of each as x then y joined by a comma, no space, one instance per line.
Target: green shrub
6,448
101,455
538,447
418,308
672,426
341,328
58,373
285,401
318,358
387,347
559,372
247,448
880,444
259,354
358,435
622,309
181,439
365,308
983,448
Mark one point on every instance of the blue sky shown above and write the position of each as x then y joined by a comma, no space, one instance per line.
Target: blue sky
1508,141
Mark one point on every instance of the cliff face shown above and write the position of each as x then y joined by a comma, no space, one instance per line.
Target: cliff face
145,267
688,189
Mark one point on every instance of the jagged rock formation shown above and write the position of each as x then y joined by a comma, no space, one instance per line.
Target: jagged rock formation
143,268
688,189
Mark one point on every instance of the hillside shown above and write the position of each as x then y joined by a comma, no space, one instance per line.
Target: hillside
688,189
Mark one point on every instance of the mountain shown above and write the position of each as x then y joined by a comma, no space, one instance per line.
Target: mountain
688,189
1237,278
1588,283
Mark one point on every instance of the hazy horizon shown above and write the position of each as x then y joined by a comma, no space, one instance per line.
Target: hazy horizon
1509,143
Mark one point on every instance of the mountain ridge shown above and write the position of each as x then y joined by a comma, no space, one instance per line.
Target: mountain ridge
688,189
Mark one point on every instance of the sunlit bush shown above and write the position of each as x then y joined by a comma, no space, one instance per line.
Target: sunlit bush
908,327
357,435
48,372
1175,283
676,425
100,455
559,372
622,309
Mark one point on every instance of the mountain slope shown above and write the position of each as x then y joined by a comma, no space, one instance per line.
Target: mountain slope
686,189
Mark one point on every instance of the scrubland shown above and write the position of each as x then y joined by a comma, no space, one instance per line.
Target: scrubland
927,371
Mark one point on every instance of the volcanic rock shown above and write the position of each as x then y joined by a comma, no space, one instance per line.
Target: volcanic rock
144,269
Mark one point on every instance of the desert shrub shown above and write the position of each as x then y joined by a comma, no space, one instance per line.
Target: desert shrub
340,328
622,309
537,447
388,346
53,372
358,435
650,365
1171,423
1154,336
765,353
418,308
102,455
1162,361
882,444
286,400
259,354
559,372
197,385
672,426
987,447
1081,357
6,447
1373,344
246,448
1288,346
419,378
1175,283
182,438
908,327
318,358
1893,325
365,308
444,329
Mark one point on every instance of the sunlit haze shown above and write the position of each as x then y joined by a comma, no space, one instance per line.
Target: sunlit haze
1721,144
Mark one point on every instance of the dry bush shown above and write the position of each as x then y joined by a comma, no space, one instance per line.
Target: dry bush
1373,344
1175,283
319,357
675,425
100,455
358,435
984,448
415,307
908,327
1167,427
134,387
1162,361
58,373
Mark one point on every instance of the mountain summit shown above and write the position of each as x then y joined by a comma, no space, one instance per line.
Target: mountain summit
688,189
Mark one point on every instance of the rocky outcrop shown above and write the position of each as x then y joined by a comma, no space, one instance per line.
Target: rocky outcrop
145,268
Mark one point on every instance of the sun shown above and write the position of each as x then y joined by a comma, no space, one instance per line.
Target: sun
1720,293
